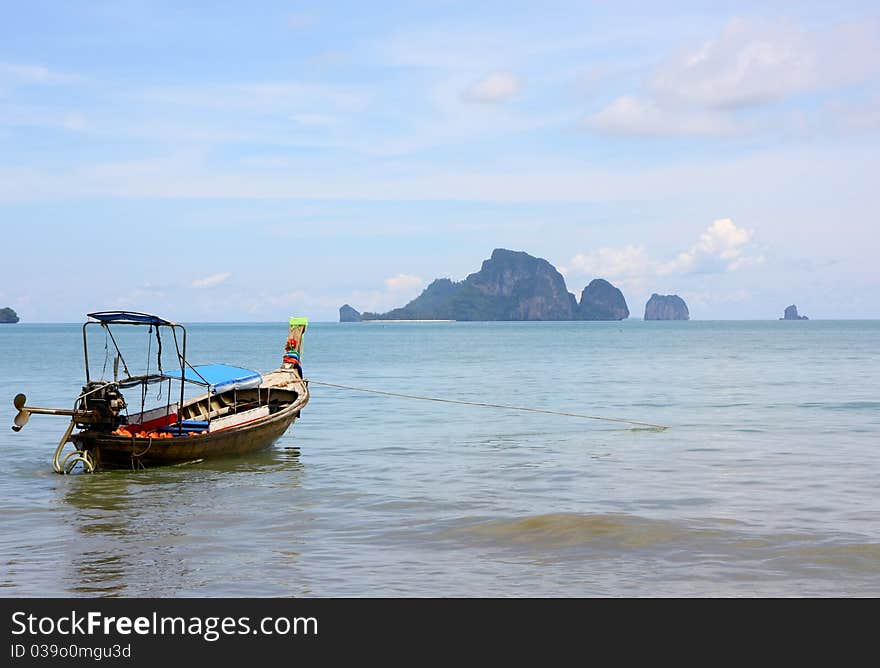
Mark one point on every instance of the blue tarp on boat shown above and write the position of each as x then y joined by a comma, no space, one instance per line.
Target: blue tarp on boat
220,377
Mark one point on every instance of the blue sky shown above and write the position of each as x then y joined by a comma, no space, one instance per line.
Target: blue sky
216,161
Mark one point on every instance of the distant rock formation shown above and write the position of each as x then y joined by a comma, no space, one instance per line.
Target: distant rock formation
791,313
8,316
348,314
602,301
510,285
435,303
666,307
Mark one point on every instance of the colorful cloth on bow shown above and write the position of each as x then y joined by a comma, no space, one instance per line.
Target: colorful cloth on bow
293,347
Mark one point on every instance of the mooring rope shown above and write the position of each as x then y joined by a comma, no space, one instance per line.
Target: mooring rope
649,425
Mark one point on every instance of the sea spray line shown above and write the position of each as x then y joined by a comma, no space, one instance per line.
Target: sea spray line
658,427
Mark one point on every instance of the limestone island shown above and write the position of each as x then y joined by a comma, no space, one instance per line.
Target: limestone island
791,313
348,314
602,301
8,316
510,285
666,307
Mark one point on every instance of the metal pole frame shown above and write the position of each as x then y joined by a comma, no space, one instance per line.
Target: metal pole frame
182,359
180,355
86,352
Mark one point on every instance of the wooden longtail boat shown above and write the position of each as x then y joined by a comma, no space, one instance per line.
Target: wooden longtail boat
240,411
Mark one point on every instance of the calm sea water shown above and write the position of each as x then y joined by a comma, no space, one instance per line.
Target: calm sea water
766,482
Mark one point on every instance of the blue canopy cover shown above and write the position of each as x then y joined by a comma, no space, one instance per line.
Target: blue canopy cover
220,377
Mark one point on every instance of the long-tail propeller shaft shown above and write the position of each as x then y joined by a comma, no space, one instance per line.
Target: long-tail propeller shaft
25,412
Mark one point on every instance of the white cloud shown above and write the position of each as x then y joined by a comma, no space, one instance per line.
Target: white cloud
630,115
404,283
722,247
751,63
494,88
211,281
629,261
701,90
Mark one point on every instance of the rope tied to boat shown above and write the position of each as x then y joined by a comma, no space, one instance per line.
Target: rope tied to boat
635,423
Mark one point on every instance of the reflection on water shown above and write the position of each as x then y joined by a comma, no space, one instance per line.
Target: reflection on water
157,530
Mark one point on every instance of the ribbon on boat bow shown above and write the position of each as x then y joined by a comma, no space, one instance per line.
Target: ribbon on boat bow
293,347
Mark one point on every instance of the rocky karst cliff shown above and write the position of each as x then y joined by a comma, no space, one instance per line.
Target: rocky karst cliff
8,316
510,285
348,314
791,313
666,307
602,301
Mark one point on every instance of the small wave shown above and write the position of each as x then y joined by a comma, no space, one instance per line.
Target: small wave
841,405
564,530
858,557
565,536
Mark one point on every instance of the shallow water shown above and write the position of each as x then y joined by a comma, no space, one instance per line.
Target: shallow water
765,483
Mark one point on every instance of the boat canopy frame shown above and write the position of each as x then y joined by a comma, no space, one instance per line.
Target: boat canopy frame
106,318
217,378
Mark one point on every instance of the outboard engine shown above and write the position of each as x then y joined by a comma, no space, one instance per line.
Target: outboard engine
106,401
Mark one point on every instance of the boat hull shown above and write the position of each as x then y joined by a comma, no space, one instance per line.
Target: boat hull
108,451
